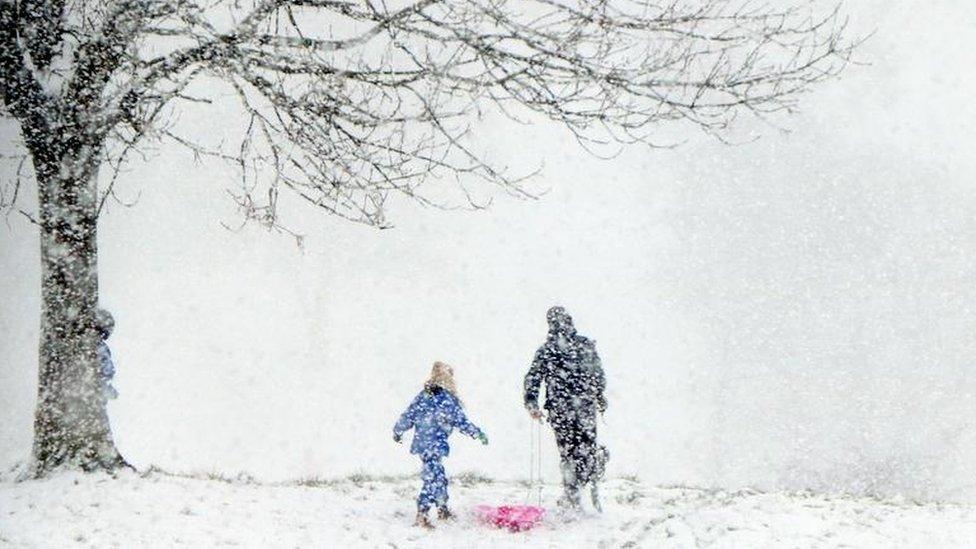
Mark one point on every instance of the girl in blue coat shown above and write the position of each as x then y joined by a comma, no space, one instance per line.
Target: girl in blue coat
432,415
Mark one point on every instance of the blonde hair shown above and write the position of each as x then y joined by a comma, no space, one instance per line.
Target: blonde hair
442,375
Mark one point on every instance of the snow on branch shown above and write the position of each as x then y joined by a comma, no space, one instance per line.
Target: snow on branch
347,102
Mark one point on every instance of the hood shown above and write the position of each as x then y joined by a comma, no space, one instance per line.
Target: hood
104,322
560,323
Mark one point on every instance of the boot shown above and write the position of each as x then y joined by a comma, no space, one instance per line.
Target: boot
423,521
569,508
444,513
570,500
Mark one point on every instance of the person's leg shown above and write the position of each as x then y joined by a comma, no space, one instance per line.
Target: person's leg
439,483
602,456
586,451
429,490
599,469
562,427
590,457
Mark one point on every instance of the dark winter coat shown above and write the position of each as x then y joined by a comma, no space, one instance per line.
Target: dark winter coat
106,370
433,415
569,366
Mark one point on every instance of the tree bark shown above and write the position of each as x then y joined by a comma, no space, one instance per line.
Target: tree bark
71,427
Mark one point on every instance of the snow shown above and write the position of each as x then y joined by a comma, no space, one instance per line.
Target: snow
793,313
164,510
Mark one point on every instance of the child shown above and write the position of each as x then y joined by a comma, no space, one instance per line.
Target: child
435,412
104,323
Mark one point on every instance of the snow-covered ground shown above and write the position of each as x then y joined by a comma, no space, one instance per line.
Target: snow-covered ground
163,510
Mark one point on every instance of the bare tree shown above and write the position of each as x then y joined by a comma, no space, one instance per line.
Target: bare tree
344,104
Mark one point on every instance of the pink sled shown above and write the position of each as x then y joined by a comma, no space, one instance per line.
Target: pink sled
514,518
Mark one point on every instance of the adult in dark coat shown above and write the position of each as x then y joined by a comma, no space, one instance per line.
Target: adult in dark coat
568,365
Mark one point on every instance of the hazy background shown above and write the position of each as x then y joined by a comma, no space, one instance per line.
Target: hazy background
795,312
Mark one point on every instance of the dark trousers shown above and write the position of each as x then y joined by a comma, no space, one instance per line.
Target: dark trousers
581,459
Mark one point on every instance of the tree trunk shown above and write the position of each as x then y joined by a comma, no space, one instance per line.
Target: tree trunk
71,428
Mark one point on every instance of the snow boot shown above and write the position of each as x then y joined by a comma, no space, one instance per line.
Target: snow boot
444,513
423,521
570,501
568,509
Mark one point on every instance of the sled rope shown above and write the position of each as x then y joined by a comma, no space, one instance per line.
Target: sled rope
528,492
535,462
538,438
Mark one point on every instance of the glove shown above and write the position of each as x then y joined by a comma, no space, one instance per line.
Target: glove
397,437
483,438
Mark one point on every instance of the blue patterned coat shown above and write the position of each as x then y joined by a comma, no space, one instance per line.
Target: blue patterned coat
433,415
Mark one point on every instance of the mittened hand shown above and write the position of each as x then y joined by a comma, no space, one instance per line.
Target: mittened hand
398,438
483,438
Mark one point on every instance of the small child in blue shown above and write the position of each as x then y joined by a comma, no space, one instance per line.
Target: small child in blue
433,414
